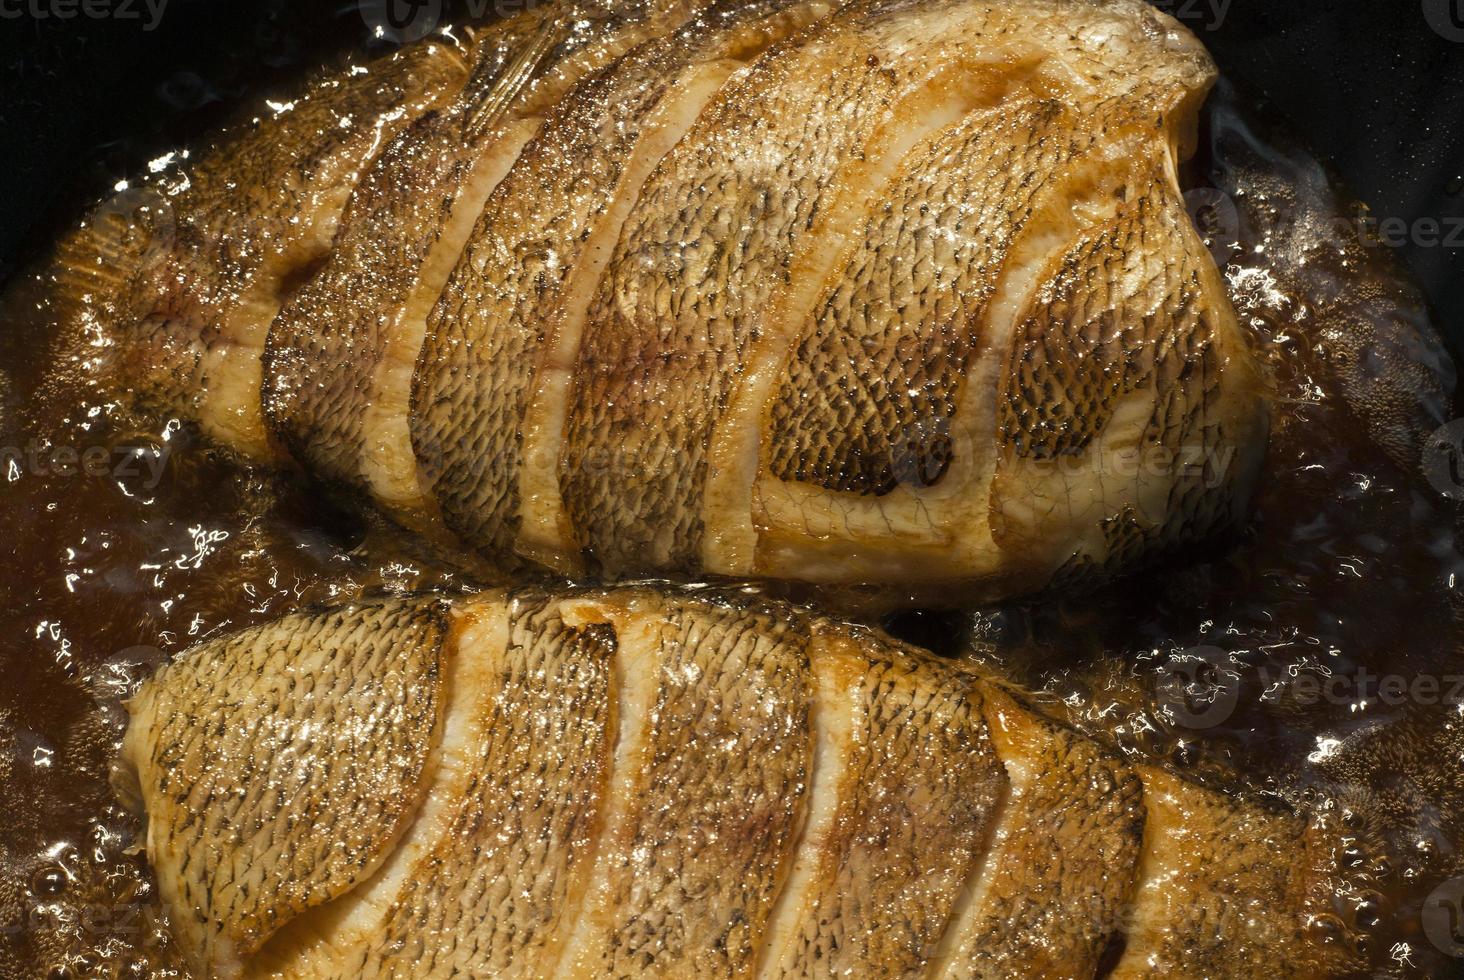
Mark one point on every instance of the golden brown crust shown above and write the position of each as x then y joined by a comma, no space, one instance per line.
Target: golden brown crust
1059,877
501,879
899,824
1226,889
249,219
324,384
1129,396
779,289
644,782
279,766
504,308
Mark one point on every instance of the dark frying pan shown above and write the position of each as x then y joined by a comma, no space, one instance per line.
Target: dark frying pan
1375,87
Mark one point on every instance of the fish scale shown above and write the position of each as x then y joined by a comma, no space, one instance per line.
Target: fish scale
512,307
655,783
263,827
196,309
1051,896
730,287
1116,329
917,783
702,256
325,346
509,859
340,356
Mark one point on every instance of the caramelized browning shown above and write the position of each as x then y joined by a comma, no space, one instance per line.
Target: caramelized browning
646,783
285,763
871,294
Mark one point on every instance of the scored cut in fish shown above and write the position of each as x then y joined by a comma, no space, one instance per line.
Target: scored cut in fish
361,686
651,783
339,357
175,284
887,293
492,384
705,312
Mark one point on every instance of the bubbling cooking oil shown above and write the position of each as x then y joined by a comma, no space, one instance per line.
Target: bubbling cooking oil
1271,663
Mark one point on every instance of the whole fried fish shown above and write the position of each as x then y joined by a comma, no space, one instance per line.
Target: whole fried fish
893,292
651,783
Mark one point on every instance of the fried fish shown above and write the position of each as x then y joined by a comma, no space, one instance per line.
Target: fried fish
654,783
887,293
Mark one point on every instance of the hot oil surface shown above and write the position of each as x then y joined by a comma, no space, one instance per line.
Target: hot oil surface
126,547
114,566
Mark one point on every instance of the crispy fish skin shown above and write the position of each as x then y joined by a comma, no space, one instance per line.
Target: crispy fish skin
653,783
1207,870
239,226
827,164
1124,357
284,763
506,330
485,879
703,784
524,873
1062,867
894,293
339,357
711,240
330,350
910,783
878,431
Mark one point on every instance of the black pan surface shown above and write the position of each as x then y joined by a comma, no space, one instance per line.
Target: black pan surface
1375,87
